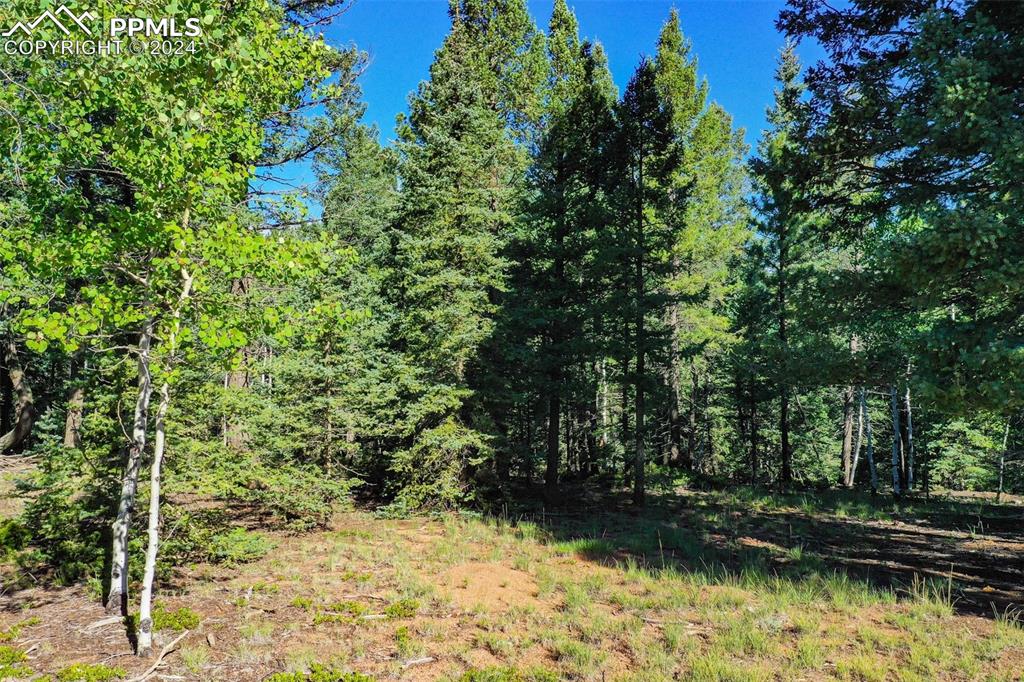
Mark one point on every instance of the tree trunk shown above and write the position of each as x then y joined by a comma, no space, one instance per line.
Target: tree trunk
236,380
691,431
896,441
551,473
145,633
754,463
675,437
859,441
638,458
786,479
910,440
869,446
73,422
24,402
145,641
117,598
1002,459
847,452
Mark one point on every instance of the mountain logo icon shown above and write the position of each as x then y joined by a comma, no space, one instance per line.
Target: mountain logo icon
70,19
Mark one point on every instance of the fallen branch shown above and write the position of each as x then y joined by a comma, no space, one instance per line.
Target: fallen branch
159,659
418,661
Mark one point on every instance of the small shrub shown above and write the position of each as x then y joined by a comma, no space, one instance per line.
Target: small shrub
352,608
182,619
13,537
304,603
11,660
90,672
238,546
403,608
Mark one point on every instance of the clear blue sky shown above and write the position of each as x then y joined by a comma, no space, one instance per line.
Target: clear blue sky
735,41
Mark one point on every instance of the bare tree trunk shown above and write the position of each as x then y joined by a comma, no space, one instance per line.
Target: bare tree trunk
638,460
551,472
691,431
604,403
910,440
117,598
24,403
145,642
675,435
870,448
860,439
754,459
1002,459
847,452
73,422
896,441
145,633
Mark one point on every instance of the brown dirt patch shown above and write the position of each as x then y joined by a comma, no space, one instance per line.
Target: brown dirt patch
492,586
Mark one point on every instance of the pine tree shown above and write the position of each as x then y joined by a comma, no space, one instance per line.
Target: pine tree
708,212
783,223
458,171
646,155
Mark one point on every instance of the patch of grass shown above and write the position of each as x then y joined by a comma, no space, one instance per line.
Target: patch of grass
717,668
90,672
14,631
195,658
304,603
863,668
500,674
586,548
319,673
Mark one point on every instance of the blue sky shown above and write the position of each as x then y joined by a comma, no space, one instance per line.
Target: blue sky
735,41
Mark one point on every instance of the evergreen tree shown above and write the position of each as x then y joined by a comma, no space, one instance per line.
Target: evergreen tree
458,172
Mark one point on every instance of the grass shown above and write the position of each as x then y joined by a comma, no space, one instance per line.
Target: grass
722,586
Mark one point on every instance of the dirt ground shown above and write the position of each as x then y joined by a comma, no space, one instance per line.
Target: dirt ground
701,586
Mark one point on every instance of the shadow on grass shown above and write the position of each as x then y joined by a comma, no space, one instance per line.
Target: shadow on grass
970,554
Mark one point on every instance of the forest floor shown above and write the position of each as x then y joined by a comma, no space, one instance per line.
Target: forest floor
699,586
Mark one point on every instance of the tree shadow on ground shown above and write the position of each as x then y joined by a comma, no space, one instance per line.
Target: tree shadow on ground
969,553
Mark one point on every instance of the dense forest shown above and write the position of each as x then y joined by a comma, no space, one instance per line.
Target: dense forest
543,286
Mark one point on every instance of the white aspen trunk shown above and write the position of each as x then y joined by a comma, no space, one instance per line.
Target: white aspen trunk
1002,459
869,445
910,440
894,400
860,439
117,597
145,634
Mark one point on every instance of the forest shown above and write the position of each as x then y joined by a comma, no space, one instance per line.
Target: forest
240,331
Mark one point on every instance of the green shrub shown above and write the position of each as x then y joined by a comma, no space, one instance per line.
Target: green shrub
13,537
182,619
90,672
238,546
403,608
11,660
